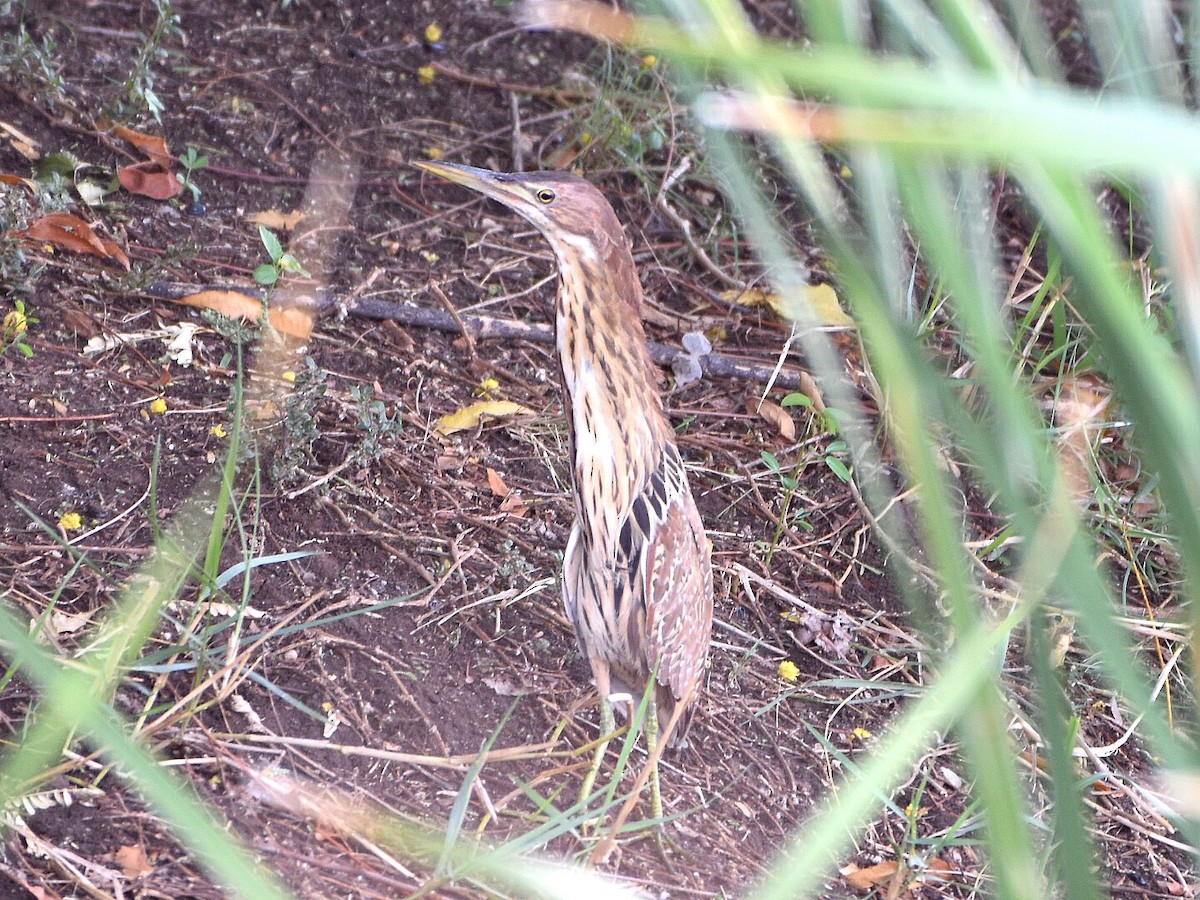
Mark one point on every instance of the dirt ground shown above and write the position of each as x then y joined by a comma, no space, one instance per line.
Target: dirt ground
430,608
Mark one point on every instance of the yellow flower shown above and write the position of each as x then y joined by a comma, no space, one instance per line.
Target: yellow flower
71,521
435,152
158,406
289,376
218,430
861,733
649,61
788,670
425,74
433,33
486,387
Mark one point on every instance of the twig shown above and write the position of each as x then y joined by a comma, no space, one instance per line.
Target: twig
518,152
484,328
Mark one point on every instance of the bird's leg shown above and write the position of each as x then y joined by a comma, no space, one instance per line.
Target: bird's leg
605,848
651,730
608,724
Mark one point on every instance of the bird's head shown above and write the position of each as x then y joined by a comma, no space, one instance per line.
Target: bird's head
572,214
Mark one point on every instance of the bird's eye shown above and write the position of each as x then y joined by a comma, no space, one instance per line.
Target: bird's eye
545,195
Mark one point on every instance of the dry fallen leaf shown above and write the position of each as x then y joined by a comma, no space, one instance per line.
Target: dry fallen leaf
513,504
72,233
276,220
153,177
471,416
149,179
774,415
865,879
496,483
154,148
814,303
68,623
132,860
293,321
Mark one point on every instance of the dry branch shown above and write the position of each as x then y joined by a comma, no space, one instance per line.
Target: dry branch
485,328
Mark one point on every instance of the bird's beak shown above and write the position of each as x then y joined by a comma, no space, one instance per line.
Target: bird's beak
483,180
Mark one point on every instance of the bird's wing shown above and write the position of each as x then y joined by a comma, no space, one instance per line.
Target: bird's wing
679,587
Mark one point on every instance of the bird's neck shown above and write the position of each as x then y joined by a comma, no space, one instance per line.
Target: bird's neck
618,427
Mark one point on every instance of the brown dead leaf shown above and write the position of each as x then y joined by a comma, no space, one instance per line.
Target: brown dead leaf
276,220
937,869
149,179
7,178
234,304
153,177
470,416
72,233
496,483
154,148
513,504
132,860
871,876
293,321
774,415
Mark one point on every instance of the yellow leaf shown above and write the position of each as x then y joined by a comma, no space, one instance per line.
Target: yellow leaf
276,220
813,303
471,416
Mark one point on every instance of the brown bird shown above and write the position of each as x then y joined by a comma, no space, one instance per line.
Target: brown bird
637,577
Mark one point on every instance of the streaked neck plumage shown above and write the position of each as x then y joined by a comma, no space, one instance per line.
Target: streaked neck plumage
618,427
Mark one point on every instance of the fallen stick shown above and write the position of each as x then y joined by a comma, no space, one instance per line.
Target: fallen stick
484,328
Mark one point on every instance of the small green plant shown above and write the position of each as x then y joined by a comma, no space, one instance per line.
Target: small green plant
790,485
33,63
269,273
826,420
192,162
138,90
12,332
300,429
376,425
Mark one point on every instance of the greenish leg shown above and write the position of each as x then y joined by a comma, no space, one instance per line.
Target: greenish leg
607,725
651,729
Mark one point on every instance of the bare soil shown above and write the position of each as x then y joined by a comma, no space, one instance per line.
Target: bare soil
430,610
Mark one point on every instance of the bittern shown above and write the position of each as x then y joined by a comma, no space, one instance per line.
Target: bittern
637,577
